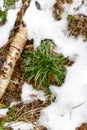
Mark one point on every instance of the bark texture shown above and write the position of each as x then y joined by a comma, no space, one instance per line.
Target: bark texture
14,53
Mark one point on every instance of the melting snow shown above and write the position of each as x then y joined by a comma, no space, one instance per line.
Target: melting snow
20,125
3,112
1,5
29,94
70,107
5,29
11,18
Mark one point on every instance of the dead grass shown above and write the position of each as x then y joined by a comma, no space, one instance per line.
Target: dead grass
77,25
30,113
58,9
83,127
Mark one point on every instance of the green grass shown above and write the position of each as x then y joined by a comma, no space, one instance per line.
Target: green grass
4,106
2,125
71,18
11,113
9,118
43,65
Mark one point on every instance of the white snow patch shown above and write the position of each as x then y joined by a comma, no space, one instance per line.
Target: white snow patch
40,23
29,94
14,103
1,5
63,117
18,4
72,9
3,112
11,18
20,125
5,29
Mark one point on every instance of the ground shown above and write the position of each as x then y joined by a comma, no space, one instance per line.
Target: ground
30,111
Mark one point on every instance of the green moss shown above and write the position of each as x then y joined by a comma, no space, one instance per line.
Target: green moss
71,18
3,17
9,4
11,113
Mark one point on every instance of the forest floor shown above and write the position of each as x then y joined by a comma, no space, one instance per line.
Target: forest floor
29,112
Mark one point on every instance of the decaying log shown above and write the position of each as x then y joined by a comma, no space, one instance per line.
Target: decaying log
15,50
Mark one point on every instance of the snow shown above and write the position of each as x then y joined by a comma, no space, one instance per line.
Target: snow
72,9
29,94
40,23
69,110
14,103
18,4
1,5
3,112
11,18
20,125
70,107
5,29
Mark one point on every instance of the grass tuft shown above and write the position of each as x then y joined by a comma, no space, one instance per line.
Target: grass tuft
44,67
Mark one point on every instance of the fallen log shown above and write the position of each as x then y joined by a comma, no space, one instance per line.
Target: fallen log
15,50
